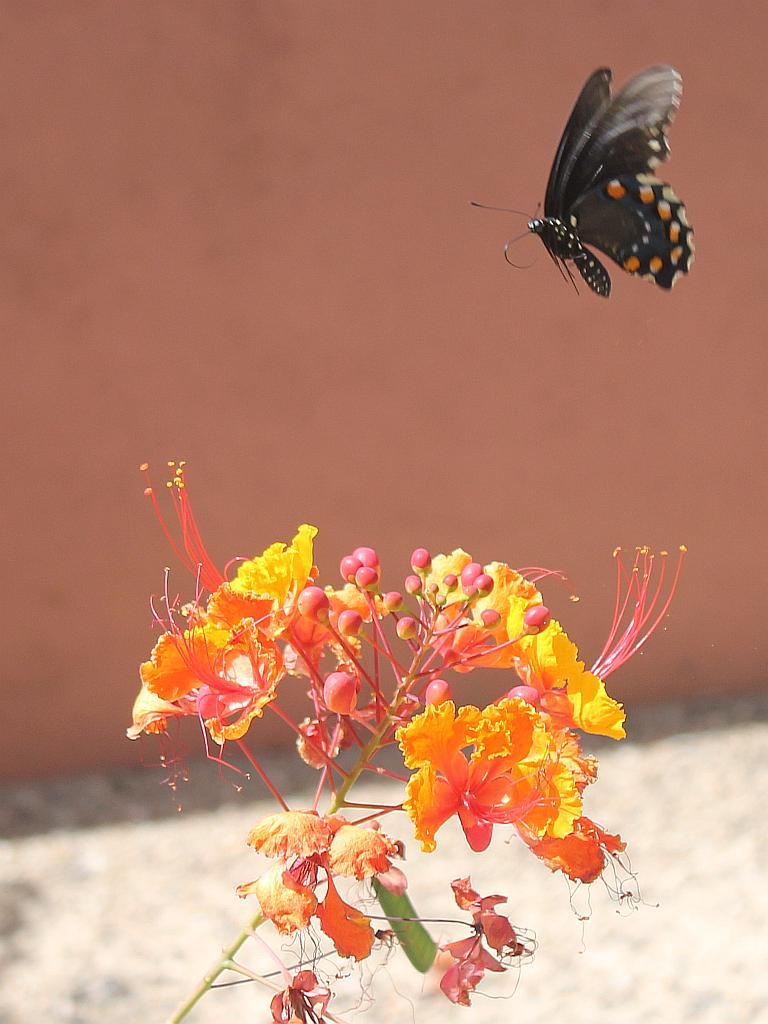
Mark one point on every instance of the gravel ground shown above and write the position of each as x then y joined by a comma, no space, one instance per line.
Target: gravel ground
112,904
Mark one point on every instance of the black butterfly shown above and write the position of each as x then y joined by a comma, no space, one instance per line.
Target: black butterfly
600,191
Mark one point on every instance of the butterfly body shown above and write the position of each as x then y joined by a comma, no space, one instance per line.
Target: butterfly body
562,243
601,190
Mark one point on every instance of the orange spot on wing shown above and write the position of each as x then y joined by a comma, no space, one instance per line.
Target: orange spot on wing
615,189
674,232
646,194
655,264
631,264
676,254
664,210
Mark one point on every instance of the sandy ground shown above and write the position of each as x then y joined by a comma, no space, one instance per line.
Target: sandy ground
112,904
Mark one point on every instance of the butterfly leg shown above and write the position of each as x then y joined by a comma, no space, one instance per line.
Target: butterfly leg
565,270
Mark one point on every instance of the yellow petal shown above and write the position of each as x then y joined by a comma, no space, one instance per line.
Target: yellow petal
281,569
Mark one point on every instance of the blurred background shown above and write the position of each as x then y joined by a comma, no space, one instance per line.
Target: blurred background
239,233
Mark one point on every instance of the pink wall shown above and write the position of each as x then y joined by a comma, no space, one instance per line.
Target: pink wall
239,233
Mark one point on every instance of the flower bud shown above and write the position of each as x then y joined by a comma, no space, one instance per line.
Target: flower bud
407,627
366,556
437,692
340,693
366,577
413,585
313,603
490,617
526,693
468,576
421,560
536,618
348,567
484,583
393,880
393,601
450,581
350,622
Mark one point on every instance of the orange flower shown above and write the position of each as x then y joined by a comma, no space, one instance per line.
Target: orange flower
513,775
288,904
304,843
224,676
291,834
580,855
360,852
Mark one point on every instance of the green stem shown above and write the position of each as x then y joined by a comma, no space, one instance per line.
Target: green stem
222,964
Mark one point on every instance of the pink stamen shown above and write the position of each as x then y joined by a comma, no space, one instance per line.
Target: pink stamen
635,607
193,554
262,774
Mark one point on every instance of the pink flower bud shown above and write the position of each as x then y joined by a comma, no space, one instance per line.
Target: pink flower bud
393,601
366,556
420,560
451,581
484,583
490,617
314,604
366,577
437,692
536,618
349,622
526,693
407,627
468,576
394,881
412,585
348,567
340,693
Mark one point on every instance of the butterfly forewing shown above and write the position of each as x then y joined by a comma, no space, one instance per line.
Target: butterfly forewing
593,98
629,136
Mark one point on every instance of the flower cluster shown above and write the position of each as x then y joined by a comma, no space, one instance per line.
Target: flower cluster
385,669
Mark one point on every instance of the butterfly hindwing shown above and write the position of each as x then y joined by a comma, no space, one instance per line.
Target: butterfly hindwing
640,223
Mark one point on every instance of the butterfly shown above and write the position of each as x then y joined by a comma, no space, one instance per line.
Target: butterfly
602,192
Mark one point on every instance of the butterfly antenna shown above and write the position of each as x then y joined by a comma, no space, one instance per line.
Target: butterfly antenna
499,209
